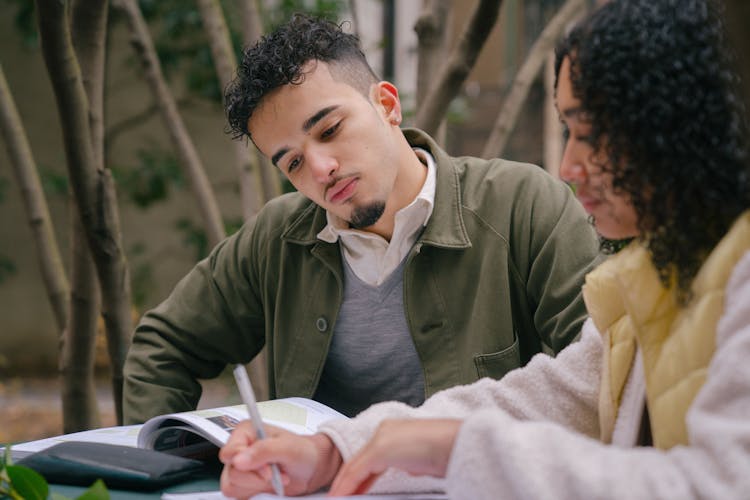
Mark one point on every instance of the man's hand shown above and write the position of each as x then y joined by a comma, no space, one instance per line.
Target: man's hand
306,463
419,447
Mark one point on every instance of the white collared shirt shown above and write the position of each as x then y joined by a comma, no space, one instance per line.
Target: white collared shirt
372,257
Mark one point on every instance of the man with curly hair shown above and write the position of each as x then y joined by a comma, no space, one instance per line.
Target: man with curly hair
654,401
393,272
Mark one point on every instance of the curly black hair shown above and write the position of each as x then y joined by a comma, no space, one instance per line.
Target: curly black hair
280,58
656,80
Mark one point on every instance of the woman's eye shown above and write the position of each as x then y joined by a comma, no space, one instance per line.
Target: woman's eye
565,133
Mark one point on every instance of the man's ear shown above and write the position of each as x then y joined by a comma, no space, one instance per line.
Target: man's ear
385,97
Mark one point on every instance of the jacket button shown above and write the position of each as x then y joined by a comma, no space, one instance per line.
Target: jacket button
321,324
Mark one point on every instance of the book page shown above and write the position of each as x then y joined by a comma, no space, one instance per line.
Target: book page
217,495
299,415
124,435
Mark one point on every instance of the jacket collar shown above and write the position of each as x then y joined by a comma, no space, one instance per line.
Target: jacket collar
626,283
446,226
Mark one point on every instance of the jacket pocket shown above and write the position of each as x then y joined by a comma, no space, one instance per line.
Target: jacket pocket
497,364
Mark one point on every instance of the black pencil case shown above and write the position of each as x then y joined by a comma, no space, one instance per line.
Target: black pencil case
120,467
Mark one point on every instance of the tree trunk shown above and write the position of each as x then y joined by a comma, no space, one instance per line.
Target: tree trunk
458,65
225,63
194,170
252,30
432,42
80,408
252,27
24,169
506,120
93,189
79,403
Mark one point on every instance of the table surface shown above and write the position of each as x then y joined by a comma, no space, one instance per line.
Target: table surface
186,487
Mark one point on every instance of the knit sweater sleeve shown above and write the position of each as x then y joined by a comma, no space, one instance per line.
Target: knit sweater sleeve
495,451
563,389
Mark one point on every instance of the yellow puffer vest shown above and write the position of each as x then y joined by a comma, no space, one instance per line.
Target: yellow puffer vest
630,307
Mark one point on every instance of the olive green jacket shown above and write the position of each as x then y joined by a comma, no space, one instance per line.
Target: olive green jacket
494,278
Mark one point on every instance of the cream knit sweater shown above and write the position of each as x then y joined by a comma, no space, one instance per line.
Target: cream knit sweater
533,434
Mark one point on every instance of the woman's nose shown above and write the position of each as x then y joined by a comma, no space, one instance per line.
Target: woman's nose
572,169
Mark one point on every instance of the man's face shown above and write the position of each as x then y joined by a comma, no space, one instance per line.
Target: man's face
587,169
335,145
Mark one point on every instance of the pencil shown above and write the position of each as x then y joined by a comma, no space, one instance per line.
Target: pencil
248,397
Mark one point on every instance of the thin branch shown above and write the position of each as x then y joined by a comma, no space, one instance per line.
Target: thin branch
25,171
462,58
506,120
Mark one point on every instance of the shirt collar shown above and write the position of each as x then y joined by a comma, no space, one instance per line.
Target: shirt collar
426,198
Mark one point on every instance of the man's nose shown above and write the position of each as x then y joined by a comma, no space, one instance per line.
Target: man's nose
322,165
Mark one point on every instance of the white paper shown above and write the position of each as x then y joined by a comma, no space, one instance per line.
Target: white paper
216,495
125,436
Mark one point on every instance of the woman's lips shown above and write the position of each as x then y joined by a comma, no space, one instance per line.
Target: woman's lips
589,204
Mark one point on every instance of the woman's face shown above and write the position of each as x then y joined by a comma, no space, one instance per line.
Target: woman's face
588,170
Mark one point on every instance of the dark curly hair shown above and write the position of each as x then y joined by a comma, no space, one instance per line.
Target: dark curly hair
655,79
279,59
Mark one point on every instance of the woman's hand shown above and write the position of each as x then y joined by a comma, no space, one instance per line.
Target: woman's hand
306,463
419,447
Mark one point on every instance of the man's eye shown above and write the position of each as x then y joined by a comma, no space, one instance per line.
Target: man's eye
293,164
330,131
565,133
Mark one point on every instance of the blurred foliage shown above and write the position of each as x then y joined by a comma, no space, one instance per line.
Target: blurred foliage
24,20
329,9
182,44
151,179
177,30
194,237
54,183
233,224
7,268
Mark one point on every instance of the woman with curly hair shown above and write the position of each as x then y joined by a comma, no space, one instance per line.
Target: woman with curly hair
654,401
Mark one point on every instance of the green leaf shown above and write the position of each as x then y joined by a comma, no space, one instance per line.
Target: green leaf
97,491
27,482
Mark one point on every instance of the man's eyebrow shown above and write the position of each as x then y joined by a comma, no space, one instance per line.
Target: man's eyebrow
310,122
277,156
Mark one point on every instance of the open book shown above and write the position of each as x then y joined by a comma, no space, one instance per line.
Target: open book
197,433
